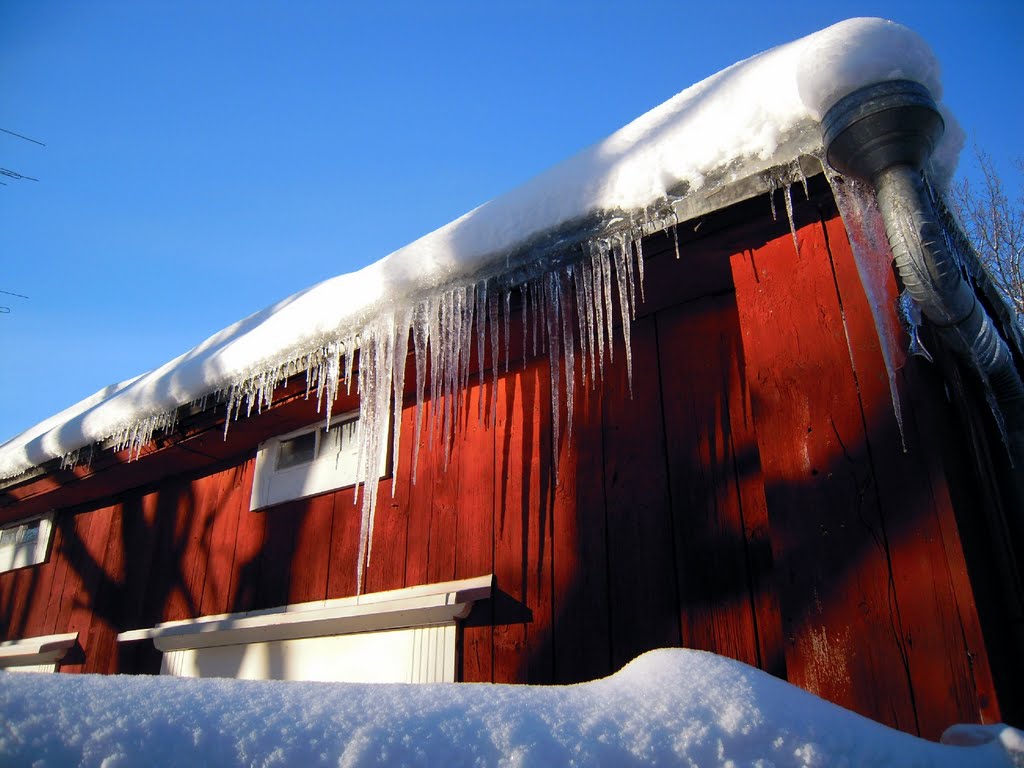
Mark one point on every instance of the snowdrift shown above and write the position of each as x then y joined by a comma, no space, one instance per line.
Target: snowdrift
667,707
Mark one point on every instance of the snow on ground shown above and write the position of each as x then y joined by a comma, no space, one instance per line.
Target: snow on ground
668,707
757,114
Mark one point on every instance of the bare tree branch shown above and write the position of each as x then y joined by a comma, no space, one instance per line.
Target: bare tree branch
995,225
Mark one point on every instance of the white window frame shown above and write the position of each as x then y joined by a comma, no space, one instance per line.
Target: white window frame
272,485
423,619
21,554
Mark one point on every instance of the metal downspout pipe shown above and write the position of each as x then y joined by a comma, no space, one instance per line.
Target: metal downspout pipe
885,133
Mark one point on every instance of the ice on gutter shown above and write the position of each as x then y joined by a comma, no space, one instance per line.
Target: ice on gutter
568,241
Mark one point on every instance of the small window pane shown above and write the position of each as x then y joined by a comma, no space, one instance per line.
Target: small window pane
339,438
29,532
8,537
296,450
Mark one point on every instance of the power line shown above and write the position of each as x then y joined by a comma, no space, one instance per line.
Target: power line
7,310
15,175
26,138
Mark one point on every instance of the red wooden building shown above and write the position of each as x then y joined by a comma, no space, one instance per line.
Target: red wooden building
747,490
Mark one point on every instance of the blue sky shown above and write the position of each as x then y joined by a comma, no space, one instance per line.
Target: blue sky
205,159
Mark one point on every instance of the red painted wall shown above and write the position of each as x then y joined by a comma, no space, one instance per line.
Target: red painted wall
750,498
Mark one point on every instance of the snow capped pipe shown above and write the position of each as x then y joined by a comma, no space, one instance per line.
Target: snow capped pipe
885,133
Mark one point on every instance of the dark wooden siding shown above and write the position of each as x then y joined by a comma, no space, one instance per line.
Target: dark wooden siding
750,497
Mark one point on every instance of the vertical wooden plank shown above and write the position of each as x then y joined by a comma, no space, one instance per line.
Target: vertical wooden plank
828,539
386,569
282,521
445,497
175,513
44,574
310,558
232,501
60,566
975,570
87,550
206,493
421,491
139,534
251,534
538,532
582,631
15,609
341,577
934,624
475,524
757,531
698,344
75,531
7,596
517,402
102,657
644,604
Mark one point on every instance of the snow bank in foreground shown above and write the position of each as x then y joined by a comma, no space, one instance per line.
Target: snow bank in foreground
669,707
757,114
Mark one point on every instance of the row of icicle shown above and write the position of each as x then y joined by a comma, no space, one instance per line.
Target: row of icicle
569,312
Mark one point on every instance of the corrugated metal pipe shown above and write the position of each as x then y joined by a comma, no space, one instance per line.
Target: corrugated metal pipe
885,133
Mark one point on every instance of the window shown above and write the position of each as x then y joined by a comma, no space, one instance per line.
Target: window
308,461
25,542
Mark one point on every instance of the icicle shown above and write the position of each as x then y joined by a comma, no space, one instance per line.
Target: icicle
625,310
398,357
772,187
349,351
627,261
576,270
788,197
333,364
492,313
798,171
438,325
873,257
638,245
675,231
227,417
420,337
481,335
909,314
568,350
525,310
593,323
451,363
606,289
375,389
597,304
552,306
534,290
466,349
508,329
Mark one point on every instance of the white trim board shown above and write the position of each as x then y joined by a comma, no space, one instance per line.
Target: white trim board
426,605
45,649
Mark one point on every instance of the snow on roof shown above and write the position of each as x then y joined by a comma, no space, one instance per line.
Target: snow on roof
668,707
755,115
